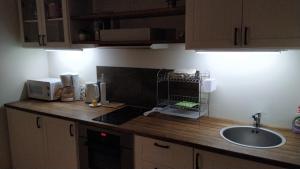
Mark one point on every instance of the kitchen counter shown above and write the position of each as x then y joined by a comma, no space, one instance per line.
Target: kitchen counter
202,133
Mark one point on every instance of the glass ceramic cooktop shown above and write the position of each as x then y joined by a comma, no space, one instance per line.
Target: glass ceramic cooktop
122,115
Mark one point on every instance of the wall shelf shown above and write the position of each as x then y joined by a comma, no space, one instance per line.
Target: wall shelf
134,14
55,19
31,21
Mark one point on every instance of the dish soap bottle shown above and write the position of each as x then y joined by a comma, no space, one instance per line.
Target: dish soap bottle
296,122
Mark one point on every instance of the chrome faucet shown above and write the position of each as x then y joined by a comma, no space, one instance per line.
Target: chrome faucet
257,118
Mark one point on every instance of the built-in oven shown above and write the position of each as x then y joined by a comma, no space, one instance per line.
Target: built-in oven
104,149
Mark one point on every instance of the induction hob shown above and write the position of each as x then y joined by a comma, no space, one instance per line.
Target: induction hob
122,115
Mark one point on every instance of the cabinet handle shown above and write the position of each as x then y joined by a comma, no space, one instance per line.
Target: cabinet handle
161,146
39,40
236,36
43,40
38,122
246,35
197,161
71,130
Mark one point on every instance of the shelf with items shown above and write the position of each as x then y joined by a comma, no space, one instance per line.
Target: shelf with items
180,94
133,14
127,37
111,19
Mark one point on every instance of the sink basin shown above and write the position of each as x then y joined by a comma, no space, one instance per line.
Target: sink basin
249,136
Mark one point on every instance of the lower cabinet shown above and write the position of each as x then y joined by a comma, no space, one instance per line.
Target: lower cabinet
157,154
40,142
208,160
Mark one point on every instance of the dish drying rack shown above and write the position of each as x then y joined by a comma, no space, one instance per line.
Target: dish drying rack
186,99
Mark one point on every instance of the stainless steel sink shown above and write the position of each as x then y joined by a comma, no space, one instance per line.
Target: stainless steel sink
253,137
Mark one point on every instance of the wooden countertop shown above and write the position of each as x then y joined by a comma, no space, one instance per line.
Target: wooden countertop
202,133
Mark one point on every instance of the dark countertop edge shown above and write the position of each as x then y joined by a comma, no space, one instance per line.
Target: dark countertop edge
197,146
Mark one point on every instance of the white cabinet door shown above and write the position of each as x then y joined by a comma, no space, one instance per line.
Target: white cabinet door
61,144
44,23
26,133
55,23
213,24
272,23
30,22
160,154
208,160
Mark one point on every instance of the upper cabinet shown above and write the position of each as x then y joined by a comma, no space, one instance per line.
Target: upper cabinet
201,24
127,22
271,23
44,23
213,23
229,24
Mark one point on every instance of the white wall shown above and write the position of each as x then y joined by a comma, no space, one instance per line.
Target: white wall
247,82
16,66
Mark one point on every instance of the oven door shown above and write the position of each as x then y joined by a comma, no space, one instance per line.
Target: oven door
104,157
105,150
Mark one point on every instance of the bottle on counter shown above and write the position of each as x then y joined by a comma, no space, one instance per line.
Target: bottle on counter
296,122
103,100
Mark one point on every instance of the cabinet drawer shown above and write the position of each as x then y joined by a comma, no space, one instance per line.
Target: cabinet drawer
148,165
165,153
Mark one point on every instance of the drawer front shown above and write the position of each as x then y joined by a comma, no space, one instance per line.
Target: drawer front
148,165
166,153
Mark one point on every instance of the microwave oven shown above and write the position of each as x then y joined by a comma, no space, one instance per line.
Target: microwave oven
44,89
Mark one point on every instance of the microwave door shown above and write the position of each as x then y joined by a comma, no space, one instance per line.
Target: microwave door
39,91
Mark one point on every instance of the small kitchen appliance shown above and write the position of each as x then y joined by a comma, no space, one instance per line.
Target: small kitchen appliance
44,89
70,87
91,92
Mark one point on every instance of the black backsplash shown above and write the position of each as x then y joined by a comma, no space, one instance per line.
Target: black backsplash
133,86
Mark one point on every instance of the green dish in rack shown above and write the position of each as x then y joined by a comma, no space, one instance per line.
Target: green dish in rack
186,104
